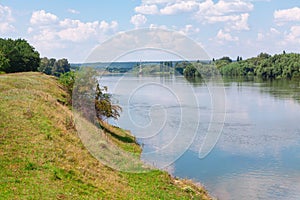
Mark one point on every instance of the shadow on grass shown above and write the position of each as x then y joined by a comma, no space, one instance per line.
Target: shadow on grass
117,133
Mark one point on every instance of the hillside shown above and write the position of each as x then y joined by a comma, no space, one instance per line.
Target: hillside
41,156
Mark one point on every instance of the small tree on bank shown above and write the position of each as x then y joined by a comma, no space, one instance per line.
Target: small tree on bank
103,104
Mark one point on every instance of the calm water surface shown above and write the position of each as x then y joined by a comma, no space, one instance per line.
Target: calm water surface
258,153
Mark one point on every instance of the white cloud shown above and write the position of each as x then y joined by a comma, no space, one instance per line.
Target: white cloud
233,13
42,18
106,27
183,6
189,29
49,33
241,23
146,9
274,31
287,15
73,11
6,19
272,34
67,29
155,26
294,35
138,20
223,36
159,1
232,6
77,31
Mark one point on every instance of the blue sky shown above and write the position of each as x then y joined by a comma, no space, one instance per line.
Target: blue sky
71,29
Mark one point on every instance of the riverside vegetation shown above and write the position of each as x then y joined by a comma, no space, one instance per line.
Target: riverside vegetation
43,158
265,66
41,155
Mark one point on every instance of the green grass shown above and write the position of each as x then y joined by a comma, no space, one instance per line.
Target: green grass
42,157
122,138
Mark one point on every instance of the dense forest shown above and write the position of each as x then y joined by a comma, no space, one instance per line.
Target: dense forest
54,67
265,66
19,56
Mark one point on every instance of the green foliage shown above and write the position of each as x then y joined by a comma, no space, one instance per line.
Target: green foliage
34,167
196,69
18,56
89,97
68,79
54,67
265,66
4,62
190,71
222,61
104,106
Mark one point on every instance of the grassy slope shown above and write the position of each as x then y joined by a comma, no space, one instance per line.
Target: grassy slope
41,156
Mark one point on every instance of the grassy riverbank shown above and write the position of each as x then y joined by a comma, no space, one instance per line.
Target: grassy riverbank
42,157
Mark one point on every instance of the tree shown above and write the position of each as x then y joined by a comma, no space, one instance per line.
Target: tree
21,56
190,71
60,66
103,104
4,62
226,58
90,100
54,67
45,66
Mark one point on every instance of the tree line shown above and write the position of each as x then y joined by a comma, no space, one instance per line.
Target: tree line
265,66
54,67
285,65
19,56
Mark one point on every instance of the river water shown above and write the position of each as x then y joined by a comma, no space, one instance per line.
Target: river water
257,155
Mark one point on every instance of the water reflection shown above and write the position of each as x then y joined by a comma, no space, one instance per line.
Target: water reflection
258,154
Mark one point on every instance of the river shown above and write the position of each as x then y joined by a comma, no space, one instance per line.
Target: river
257,155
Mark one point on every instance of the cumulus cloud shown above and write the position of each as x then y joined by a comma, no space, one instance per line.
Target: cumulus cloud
41,17
271,33
294,35
287,15
232,6
159,1
77,31
233,13
47,32
183,6
6,19
67,29
189,29
138,20
223,36
147,9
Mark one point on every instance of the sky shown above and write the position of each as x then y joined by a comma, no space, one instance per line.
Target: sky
72,29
